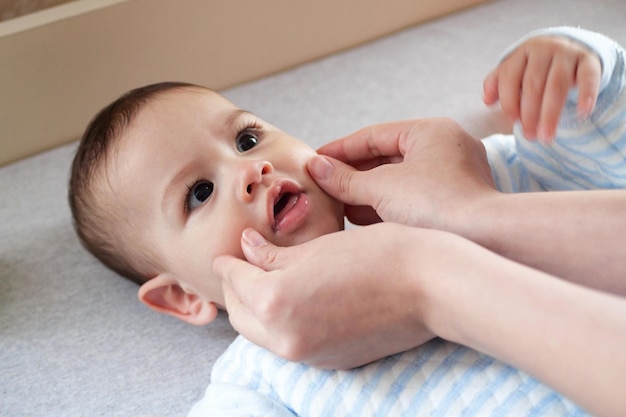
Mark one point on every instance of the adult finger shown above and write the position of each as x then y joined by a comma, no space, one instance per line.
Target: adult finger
341,181
258,251
379,142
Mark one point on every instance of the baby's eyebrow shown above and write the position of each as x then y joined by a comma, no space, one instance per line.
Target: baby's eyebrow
236,115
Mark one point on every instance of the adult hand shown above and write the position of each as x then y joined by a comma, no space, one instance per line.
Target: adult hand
430,173
357,300
385,288
417,172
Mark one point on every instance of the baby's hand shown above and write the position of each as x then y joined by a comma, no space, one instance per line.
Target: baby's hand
532,83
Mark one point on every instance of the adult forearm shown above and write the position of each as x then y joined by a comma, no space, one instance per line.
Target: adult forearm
565,335
576,235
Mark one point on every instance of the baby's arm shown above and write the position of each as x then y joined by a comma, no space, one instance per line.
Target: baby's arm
534,79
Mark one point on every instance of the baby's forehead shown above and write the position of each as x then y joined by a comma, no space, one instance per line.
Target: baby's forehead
191,95
169,115
186,105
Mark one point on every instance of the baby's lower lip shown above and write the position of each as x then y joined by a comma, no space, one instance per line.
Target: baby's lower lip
294,215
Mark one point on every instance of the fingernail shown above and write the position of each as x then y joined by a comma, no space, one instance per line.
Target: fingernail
320,167
253,238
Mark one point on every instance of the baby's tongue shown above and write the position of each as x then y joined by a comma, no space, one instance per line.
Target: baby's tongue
283,205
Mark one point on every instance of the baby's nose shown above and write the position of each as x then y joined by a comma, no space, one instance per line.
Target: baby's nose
251,176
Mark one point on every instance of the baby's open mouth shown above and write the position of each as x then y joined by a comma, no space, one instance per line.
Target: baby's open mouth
288,206
283,205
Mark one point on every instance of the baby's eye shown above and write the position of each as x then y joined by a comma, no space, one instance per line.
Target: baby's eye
198,194
246,141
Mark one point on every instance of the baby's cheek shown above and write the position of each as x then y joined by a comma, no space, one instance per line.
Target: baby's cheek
230,246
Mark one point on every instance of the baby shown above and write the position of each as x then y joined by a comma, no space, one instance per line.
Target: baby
167,177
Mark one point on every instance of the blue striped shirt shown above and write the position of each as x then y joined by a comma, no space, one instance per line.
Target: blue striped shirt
437,379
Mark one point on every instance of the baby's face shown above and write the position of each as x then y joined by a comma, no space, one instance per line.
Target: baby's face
195,171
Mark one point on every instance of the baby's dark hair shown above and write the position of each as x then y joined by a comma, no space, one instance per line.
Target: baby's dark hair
91,219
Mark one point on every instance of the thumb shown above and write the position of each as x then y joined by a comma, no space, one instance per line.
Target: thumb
259,252
339,180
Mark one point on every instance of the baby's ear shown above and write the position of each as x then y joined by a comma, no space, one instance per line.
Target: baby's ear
164,295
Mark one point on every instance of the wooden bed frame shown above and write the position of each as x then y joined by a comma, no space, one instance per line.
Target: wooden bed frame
60,65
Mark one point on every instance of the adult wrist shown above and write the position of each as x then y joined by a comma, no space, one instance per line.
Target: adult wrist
432,278
472,218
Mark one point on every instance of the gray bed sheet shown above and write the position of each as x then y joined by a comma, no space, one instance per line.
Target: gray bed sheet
74,340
